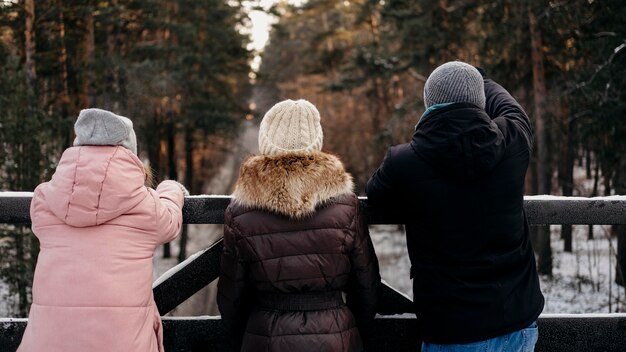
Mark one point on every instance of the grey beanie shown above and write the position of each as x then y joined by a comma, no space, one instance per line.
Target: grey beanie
291,126
101,127
454,82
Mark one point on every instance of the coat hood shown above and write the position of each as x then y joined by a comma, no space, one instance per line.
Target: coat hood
291,184
459,140
94,184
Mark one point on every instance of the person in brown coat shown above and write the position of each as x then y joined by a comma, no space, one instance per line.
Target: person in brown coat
295,242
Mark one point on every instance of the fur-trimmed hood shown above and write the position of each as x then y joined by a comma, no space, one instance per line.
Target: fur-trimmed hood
292,184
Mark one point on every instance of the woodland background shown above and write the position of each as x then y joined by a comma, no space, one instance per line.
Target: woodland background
180,69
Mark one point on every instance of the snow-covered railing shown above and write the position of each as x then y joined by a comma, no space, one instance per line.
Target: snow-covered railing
572,332
541,210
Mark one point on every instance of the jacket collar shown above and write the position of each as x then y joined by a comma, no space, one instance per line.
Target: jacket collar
429,111
460,140
291,184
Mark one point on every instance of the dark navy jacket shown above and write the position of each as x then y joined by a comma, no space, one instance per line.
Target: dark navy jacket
459,186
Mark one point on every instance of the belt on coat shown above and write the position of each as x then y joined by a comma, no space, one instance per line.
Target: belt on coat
304,301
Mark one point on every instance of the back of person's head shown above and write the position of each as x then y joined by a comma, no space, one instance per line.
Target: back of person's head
291,126
102,127
454,82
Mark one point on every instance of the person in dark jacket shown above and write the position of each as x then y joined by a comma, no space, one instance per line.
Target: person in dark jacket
294,242
459,185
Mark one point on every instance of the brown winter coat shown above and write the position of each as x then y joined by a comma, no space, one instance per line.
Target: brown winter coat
294,240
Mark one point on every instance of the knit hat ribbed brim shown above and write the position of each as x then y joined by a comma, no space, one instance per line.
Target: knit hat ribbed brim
455,82
291,126
102,127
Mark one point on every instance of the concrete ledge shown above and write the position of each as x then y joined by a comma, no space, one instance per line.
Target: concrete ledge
557,333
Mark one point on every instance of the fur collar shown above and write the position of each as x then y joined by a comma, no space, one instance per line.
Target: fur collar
292,184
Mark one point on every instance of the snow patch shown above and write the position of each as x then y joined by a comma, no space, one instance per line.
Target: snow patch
222,196
198,317
16,194
169,273
551,197
5,309
585,316
582,281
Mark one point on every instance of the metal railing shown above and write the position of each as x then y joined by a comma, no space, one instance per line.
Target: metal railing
395,325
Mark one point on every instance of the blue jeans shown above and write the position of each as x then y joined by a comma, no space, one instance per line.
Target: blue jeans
518,341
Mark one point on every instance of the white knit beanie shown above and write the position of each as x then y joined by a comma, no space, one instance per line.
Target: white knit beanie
291,126
455,82
101,127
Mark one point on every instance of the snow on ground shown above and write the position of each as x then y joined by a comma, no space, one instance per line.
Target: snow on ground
16,194
582,282
393,257
202,236
5,306
551,197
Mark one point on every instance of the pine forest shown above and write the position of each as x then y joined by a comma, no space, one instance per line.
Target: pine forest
183,71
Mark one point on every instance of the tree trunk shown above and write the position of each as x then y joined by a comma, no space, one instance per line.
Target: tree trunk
594,192
30,154
567,177
113,71
167,250
154,154
588,164
544,265
66,137
620,230
446,54
29,50
620,265
153,142
182,254
171,168
172,173
21,283
85,99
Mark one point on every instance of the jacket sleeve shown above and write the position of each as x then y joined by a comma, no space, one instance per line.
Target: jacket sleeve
232,298
506,112
364,283
382,188
169,209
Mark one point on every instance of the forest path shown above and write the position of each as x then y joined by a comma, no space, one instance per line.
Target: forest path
389,240
202,236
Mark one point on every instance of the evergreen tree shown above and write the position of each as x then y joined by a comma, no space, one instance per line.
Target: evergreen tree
178,69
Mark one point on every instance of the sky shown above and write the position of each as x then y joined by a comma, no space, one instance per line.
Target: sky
261,25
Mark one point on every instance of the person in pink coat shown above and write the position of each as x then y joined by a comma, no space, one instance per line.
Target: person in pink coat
98,226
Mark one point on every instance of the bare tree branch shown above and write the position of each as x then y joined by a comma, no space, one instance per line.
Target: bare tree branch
616,51
416,75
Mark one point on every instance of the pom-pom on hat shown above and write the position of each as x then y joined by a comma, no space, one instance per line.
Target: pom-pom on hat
454,82
291,126
101,127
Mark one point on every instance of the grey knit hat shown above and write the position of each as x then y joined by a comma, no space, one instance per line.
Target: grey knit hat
291,126
101,127
454,82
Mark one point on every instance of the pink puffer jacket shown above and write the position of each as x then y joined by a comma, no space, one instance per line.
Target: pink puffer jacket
98,226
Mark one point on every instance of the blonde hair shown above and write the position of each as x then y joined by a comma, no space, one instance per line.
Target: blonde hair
149,182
